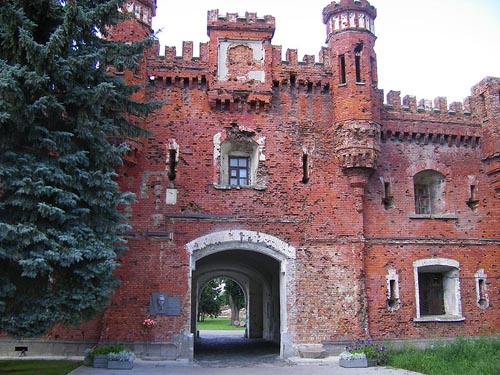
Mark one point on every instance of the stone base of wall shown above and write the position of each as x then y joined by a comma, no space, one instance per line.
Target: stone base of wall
334,348
181,347
45,347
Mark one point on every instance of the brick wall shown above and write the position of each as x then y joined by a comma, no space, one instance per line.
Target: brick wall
346,237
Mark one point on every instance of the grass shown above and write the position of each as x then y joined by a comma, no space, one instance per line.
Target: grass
217,324
37,367
463,357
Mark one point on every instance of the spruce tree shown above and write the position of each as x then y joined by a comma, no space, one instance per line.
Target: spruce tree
64,120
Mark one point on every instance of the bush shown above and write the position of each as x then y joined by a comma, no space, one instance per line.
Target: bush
106,349
100,350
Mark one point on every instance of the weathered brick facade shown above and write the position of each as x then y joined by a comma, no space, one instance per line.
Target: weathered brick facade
325,238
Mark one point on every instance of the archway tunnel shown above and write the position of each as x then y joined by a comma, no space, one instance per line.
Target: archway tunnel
259,277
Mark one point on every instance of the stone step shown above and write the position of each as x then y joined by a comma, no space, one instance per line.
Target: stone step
312,352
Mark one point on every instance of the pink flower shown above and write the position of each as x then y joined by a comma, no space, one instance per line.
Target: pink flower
149,323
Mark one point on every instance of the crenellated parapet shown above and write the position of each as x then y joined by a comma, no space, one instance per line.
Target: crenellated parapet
430,122
409,104
232,21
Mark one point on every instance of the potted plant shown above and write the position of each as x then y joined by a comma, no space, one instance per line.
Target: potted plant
348,360
363,353
123,360
98,356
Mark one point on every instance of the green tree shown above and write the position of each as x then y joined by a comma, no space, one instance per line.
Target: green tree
63,122
210,300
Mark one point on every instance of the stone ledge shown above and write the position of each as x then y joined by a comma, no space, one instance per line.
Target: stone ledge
434,216
439,318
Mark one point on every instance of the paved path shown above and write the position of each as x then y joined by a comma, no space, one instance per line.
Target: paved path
330,367
217,354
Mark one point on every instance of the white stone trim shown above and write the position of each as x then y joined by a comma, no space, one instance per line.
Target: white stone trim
242,239
480,275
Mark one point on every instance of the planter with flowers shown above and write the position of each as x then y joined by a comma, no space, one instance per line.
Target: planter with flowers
347,359
101,356
363,353
123,360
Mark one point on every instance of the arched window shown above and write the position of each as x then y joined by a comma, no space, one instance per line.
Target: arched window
429,189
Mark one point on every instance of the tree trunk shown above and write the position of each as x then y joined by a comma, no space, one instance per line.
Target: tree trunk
235,312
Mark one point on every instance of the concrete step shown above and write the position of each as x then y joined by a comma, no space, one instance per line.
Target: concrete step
312,351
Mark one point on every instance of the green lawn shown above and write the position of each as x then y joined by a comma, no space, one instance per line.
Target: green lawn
463,357
37,367
217,324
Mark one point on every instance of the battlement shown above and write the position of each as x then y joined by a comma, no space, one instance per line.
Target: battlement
232,21
187,55
424,121
410,104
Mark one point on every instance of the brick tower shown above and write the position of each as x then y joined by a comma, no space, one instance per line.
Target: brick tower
136,27
486,101
356,99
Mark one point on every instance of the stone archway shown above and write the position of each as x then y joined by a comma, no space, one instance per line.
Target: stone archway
263,264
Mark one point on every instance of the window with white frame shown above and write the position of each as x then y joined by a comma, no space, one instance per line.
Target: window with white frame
239,162
437,287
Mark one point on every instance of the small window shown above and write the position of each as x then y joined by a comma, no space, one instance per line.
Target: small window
393,302
357,61
483,301
342,69
238,171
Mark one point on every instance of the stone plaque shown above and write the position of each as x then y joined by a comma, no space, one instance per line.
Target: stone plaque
162,304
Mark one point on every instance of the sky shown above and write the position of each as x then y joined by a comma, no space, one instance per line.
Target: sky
426,48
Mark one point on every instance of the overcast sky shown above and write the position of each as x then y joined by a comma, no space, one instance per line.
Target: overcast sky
426,48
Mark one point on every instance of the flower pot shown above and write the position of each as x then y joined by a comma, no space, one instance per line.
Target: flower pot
101,361
358,362
120,365
352,363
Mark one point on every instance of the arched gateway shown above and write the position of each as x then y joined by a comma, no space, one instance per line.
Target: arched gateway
262,264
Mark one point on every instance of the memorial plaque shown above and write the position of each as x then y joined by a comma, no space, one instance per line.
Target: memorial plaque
162,304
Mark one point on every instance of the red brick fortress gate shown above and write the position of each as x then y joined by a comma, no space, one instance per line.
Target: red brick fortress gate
341,216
